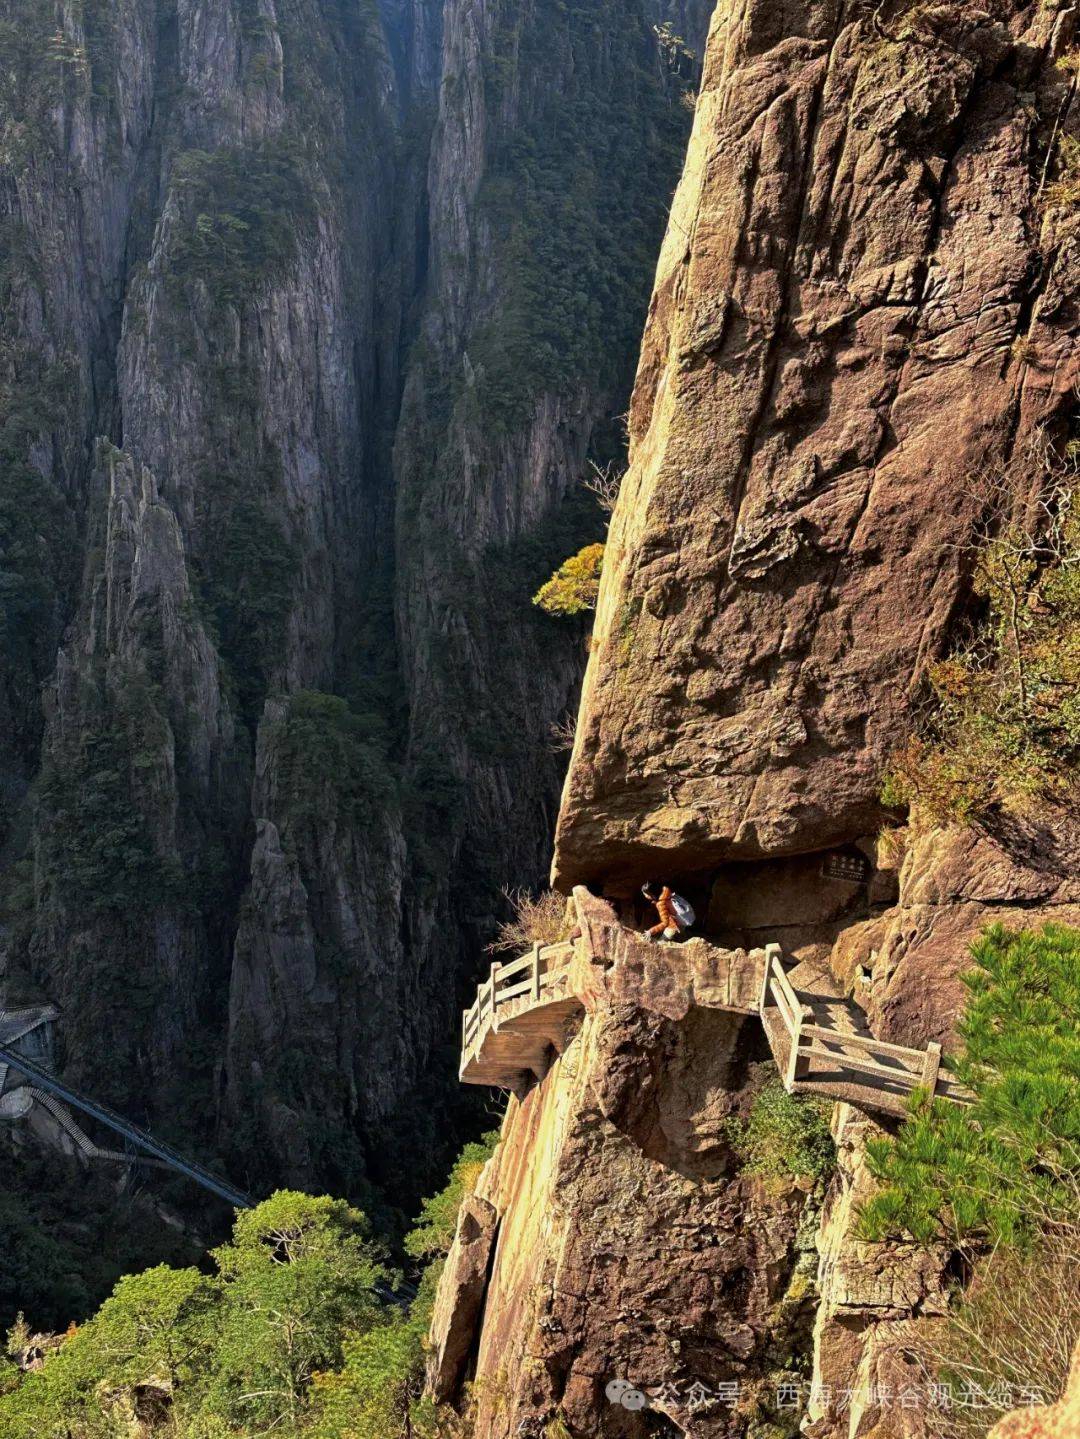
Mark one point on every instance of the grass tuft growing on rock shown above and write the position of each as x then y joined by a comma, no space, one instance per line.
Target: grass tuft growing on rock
784,1135
1003,725
535,919
1010,1339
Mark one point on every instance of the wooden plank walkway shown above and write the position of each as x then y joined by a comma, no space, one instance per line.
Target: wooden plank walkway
525,1011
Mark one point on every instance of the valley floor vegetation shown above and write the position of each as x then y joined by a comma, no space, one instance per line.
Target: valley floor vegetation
301,1330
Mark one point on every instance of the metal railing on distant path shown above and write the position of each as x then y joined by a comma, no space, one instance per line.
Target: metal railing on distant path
42,1080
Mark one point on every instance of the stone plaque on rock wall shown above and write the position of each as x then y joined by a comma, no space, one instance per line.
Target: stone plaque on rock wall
851,867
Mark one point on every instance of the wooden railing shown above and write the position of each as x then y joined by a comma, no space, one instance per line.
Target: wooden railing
528,976
810,1054
817,1050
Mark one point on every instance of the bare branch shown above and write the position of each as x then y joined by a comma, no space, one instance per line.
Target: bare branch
604,484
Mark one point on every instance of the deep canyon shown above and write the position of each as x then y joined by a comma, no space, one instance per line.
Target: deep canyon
314,316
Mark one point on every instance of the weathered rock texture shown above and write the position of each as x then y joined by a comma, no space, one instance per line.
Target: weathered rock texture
863,306
905,965
297,264
865,1382
612,1236
859,307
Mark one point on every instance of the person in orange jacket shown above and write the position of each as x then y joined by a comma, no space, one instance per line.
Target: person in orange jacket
675,912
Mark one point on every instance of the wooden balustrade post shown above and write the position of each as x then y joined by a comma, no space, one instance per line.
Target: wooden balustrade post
772,952
931,1067
492,982
536,971
795,1065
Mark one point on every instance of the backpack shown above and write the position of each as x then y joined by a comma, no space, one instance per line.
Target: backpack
684,911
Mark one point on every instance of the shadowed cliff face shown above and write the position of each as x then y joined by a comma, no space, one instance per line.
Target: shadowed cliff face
860,307
322,279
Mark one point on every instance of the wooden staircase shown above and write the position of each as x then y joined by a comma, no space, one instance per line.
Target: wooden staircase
525,1013
821,1044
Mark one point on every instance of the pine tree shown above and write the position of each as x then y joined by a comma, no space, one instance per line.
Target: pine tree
1007,1167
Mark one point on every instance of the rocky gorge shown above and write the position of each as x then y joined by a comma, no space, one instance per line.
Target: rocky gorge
314,315
296,399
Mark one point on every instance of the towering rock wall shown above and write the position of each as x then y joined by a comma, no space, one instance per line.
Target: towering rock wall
864,306
297,266
861,306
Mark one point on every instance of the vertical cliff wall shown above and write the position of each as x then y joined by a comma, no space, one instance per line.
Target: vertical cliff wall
347,293
614,1239
861,305
865,304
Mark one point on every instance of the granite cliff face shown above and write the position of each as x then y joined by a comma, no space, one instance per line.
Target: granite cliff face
863,306
273,255
614,1236
860,306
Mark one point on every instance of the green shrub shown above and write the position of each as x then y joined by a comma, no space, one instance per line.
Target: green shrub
783,1135
1006,1167
246,576
1004,726
331,761
434,1232
243,212
574,586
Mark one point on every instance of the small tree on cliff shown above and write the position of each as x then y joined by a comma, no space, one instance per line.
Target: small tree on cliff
1001,1181
574,586
1008,1167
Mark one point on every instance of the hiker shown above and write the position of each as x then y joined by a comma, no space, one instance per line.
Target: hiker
676,914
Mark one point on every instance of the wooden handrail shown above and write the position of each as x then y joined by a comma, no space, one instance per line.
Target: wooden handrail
812,1048
867,1041
787,1014
778,975
527,975
847,1063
